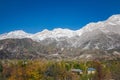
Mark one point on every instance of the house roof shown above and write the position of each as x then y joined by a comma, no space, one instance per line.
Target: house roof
76,70
91,69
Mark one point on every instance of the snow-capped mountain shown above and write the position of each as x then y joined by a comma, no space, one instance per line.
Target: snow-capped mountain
55,34
93,35
112,24
15,34
96,40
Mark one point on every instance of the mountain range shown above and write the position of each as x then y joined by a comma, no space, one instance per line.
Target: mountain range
96,40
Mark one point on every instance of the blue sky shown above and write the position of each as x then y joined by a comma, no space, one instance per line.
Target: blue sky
35,15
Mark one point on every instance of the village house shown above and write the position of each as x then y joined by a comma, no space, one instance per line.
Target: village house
78,71
91,70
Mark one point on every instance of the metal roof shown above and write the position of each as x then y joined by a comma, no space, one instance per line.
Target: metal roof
91,69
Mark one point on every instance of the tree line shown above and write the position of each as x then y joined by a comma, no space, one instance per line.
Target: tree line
58,70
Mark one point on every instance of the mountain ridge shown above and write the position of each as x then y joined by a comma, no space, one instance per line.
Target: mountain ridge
59,32
99,40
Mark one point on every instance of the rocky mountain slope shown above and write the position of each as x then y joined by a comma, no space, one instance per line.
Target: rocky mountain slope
93,41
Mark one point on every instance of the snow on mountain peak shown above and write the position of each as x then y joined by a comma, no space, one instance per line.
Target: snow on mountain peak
63,32
111,24
55,33
114,20
15,34
104,26
92,26
114,17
